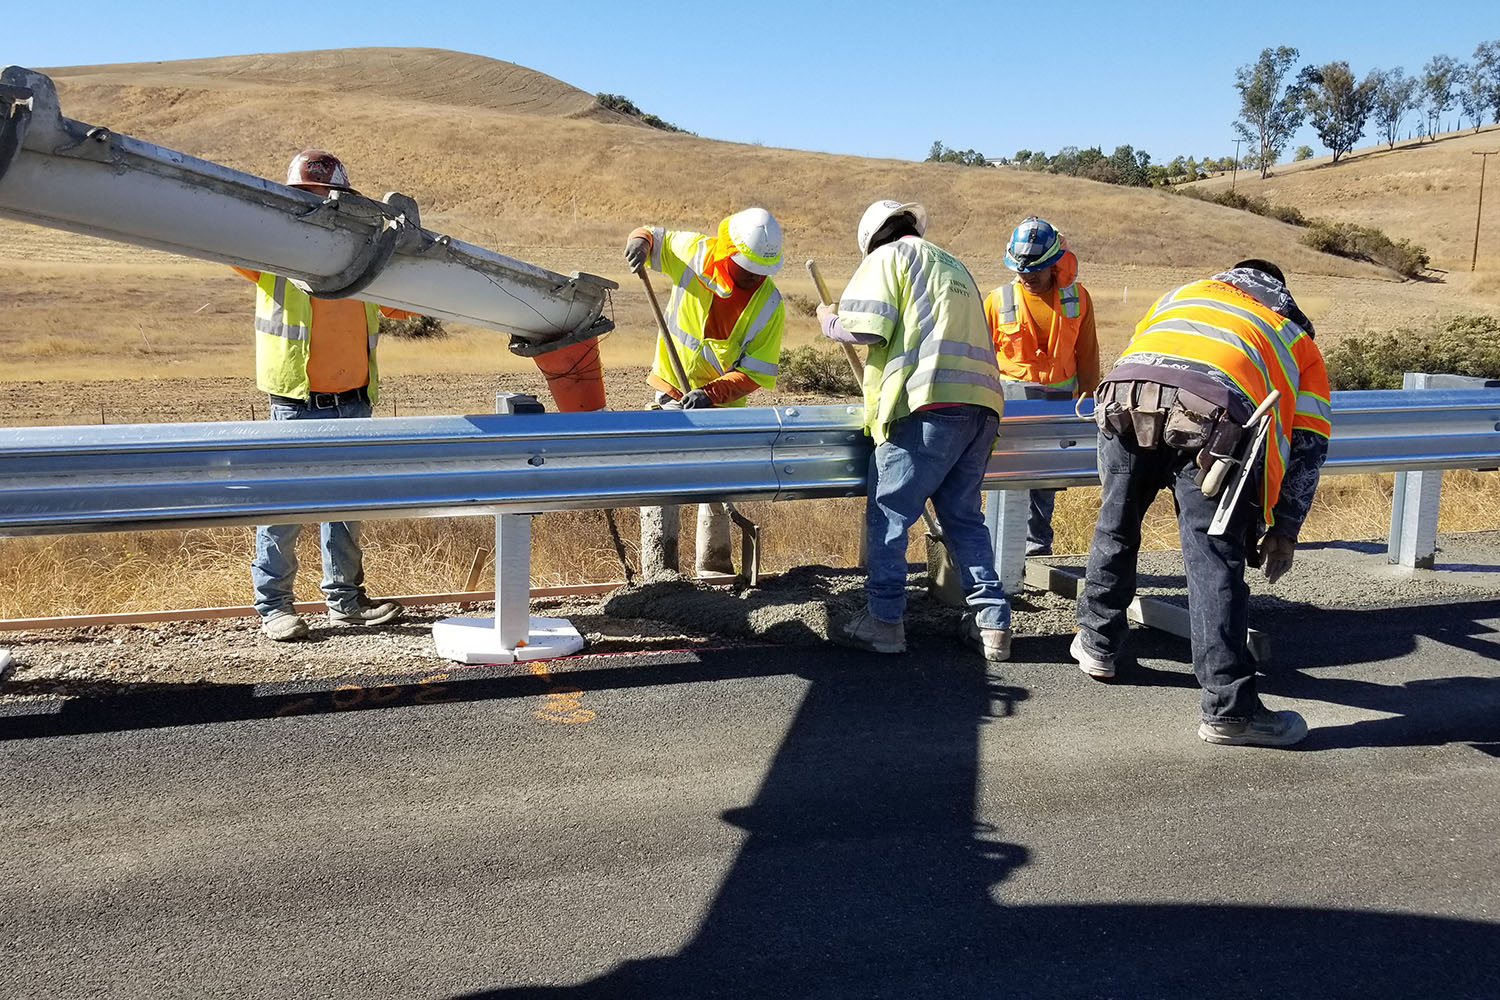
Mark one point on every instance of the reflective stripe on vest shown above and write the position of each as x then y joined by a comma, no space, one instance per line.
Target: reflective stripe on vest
283,341
1029,355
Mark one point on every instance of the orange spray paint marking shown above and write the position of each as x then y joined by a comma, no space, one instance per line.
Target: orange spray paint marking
563,705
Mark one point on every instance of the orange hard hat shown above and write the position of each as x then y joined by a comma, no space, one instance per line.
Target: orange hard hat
317,166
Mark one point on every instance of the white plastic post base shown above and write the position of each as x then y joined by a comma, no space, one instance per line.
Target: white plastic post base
4,663
476,640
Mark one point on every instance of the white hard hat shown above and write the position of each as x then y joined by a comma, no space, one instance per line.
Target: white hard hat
881,212
757,240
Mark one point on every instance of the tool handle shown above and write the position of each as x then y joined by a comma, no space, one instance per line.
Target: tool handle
817,277
1266,405
850,354
661,328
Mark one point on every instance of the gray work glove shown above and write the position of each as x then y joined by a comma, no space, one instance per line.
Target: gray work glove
697,400
1277,551
636,251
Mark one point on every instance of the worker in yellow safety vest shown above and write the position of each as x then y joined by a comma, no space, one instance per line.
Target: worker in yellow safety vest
932,405
315,359
1043,327
1211,363
725,317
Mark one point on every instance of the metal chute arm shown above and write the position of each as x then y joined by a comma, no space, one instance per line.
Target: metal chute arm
67,175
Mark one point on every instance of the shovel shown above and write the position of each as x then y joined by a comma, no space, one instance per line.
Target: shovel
942,577
749,530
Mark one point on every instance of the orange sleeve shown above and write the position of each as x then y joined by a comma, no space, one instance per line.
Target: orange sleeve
247,273
1086,350
391,312
644,234
729,387
991,317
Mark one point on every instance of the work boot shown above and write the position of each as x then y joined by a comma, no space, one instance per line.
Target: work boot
367,613
993,643
865,631
1100,670
283,626
1265,729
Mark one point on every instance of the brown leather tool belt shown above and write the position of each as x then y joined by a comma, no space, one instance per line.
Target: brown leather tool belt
1157,415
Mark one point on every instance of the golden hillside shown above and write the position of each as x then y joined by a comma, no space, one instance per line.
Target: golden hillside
1426,192
518,161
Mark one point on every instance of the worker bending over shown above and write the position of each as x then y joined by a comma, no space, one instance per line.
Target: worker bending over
932,404
1043,327
1172,414
725,318
315,358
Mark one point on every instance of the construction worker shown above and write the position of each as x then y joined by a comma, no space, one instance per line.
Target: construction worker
315,358
725,318
1043,327
1172,414
932,405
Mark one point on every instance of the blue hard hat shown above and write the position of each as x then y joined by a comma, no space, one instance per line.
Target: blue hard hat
1033,246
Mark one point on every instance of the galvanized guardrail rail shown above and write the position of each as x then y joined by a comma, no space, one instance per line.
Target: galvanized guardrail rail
57,480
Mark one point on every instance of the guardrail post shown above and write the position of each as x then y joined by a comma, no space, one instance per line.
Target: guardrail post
1417,495
513,634
1005,513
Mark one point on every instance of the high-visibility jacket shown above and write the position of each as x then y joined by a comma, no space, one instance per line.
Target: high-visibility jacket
753,345
1258,349
1046,357
934,345
283,331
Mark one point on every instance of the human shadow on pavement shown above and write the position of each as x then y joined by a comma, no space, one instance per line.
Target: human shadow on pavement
868,872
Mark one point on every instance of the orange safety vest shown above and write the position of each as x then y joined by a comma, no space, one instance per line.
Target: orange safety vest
1258,349
1023,355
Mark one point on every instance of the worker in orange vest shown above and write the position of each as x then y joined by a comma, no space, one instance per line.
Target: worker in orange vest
1174,413
1042,324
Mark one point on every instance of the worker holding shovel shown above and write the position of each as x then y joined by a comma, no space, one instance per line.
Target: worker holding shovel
719,341
932,404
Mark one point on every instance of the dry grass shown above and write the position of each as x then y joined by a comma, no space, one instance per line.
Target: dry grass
142,571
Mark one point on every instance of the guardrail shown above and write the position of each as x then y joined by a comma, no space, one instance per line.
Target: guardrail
56,480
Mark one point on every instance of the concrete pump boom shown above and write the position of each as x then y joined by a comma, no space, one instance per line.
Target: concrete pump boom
62,173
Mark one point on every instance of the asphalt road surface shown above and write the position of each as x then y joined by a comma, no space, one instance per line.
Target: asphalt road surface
772,822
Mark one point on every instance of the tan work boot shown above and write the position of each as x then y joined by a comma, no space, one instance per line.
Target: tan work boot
283,626
368,613
865,631
992,643
1265,729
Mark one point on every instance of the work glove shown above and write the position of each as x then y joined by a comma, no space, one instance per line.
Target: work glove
696,400
636,251
1277,551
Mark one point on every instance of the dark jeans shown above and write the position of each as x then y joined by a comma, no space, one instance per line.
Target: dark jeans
1039,523
939,454
1218,598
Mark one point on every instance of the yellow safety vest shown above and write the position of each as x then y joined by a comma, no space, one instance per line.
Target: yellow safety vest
935,346
753,346
283,326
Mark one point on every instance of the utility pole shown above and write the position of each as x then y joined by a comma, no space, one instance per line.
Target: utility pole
1236,173
1479,212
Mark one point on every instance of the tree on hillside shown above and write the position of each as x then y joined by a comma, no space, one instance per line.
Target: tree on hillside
1268,114
625,106
1486,69
1395,95
1439,79
1337,106
1473,95
938,153
1302,153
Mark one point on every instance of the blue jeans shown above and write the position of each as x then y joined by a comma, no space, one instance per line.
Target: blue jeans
274,568
1218,598
938,454
1039,523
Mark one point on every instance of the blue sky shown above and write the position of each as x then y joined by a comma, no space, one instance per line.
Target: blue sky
873,79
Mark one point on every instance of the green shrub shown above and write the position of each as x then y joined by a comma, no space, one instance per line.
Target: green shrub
1346,239
800,305
822,371
1465,345
416,328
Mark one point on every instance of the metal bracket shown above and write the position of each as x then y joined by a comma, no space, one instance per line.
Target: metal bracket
524,348
377,252
16,102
